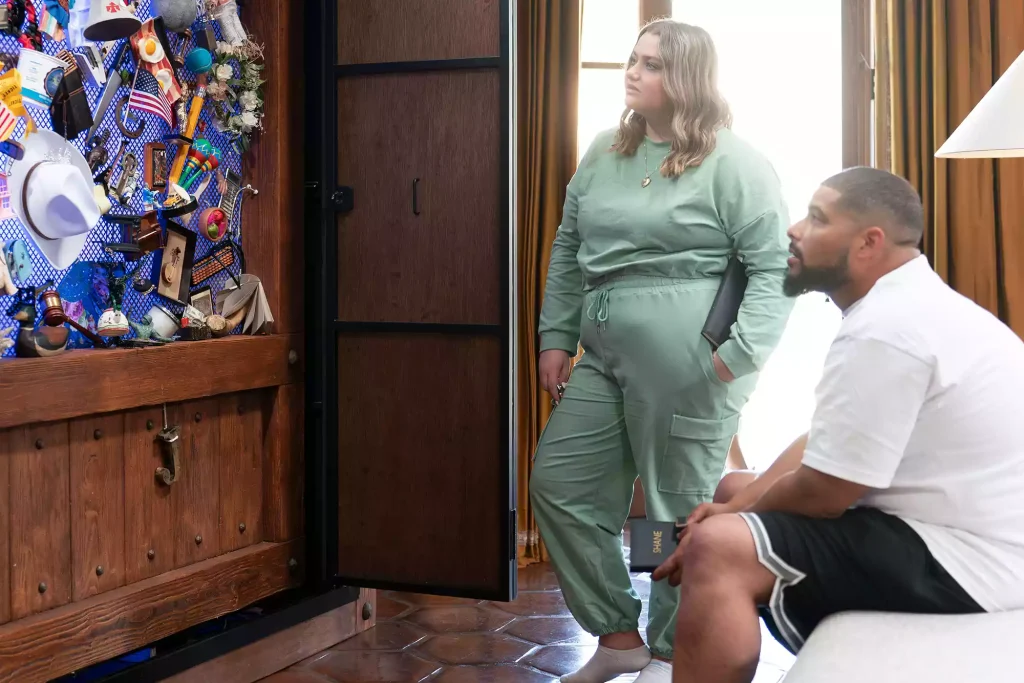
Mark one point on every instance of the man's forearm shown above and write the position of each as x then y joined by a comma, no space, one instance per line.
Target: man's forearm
809,493
786,463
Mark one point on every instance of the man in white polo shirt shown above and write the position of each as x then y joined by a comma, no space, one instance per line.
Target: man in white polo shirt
909,493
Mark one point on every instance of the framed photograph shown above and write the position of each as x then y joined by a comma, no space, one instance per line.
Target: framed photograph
202,301
156,165
173,269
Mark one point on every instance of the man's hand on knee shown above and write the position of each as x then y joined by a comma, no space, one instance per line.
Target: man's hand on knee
719,544
672,568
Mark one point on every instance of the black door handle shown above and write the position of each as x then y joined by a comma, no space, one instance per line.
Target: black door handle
415,197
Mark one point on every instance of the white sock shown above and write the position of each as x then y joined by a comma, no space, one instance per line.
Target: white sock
656,672
606,664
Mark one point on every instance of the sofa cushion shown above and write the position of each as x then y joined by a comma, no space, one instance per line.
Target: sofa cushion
854,647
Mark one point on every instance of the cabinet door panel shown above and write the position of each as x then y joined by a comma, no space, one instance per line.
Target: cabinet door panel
149,505
422,473
373,31
97,503
241,470
444,264
40,518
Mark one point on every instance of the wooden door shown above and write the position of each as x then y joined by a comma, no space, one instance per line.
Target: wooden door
412,192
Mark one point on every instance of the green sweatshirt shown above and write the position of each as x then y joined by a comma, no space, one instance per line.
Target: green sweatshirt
685,227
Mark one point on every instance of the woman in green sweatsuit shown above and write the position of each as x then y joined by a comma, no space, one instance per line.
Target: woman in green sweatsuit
651,217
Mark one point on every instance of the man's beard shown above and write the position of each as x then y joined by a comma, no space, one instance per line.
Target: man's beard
825,279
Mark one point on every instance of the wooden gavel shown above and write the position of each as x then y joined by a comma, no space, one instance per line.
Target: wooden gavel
54,316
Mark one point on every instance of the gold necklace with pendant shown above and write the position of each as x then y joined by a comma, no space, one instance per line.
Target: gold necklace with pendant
647,172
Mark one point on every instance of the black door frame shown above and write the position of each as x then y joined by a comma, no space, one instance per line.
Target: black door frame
325,201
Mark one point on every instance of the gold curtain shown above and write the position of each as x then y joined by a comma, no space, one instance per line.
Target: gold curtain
548,86
939,58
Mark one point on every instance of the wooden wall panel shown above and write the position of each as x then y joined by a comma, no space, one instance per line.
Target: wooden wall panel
40,518
97,504
241,471
283,468
274,229
5,527
195,501
149,506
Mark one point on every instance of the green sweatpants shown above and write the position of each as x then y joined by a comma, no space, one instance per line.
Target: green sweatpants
644,399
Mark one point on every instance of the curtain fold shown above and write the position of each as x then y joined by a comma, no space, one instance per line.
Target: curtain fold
547,94
941,57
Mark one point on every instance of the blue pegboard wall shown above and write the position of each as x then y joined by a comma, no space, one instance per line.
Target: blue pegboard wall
135,305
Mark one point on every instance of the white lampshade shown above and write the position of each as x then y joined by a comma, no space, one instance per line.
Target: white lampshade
994,128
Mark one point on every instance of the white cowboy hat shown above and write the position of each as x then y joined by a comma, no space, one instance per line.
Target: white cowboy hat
51,192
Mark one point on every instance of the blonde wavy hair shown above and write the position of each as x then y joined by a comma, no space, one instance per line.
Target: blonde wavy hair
690,80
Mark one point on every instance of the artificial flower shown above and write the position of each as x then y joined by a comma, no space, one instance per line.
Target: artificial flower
217,91
248,100
224,72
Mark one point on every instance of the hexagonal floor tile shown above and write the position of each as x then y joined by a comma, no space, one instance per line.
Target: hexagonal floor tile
386,636
550,630
388,609
504,673
473,648
560,660
548,604
459,619
374,667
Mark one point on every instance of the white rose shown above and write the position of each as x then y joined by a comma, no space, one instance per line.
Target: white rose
249,119
225,48
248,100
224,72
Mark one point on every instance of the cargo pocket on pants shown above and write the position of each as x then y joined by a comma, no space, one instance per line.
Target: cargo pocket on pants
694,457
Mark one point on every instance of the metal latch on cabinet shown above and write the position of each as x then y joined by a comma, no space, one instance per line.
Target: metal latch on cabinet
170,449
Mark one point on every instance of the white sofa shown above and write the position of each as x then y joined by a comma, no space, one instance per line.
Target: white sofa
860,647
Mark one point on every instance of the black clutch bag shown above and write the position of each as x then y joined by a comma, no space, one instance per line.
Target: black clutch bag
725,309
650,543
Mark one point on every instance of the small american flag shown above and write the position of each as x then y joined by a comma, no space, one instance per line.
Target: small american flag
147,96
7,122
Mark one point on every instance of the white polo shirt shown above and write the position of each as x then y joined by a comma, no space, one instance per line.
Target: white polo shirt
922,399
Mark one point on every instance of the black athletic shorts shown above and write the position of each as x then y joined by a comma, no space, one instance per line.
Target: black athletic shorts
864,560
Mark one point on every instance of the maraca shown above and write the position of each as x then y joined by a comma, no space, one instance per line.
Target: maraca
210,163
193,161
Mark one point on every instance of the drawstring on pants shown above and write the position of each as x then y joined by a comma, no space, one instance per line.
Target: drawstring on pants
601,314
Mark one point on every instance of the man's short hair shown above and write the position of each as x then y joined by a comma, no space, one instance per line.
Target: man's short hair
876,197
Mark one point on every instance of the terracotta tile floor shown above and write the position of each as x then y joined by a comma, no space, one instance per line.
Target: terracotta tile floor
447,640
